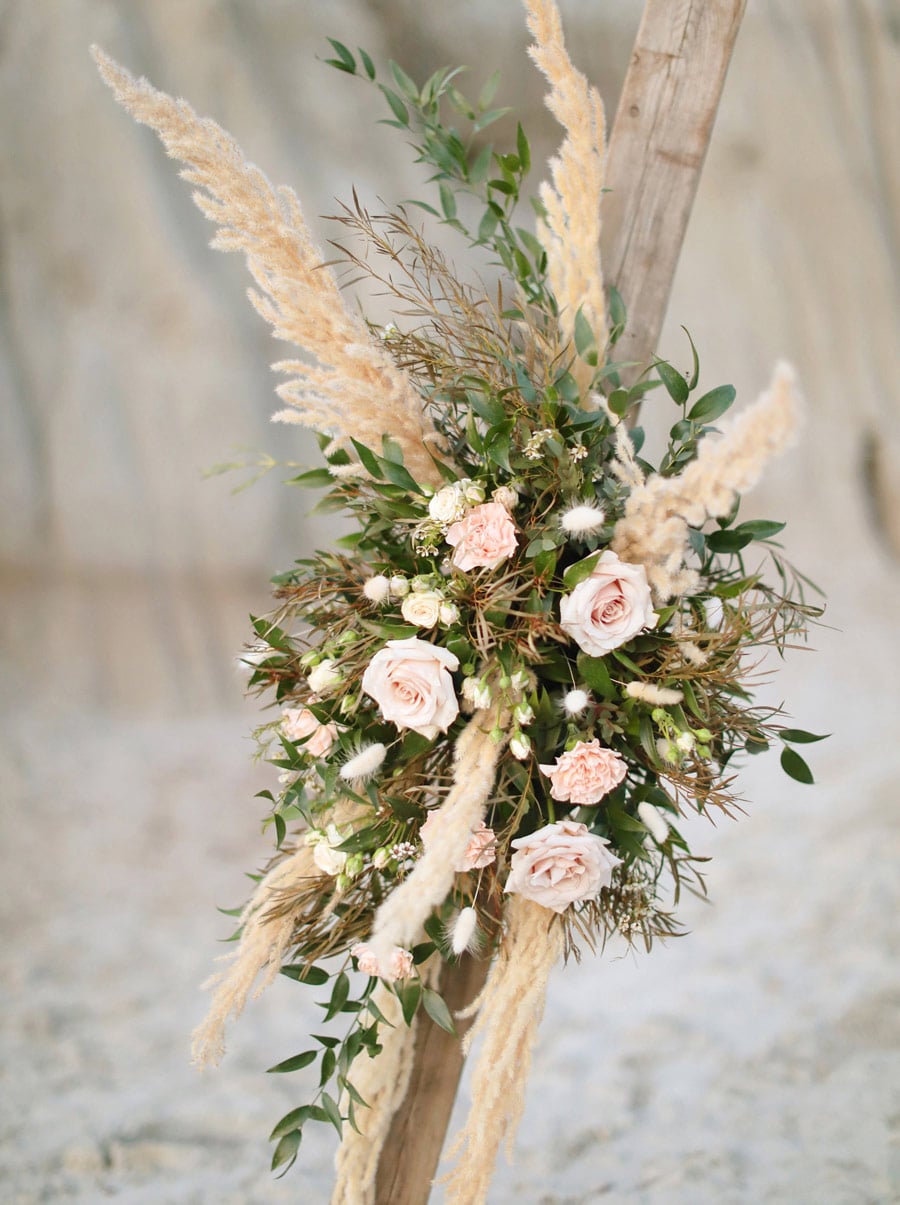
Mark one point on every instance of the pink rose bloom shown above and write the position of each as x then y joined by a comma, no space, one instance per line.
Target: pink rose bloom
482,538
298,723
585,774
609,607
480,852
560,864
399,963
410,681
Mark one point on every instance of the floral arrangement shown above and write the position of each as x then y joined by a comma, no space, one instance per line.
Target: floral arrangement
534,652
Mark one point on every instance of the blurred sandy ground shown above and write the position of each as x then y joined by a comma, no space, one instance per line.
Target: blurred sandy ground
756,1060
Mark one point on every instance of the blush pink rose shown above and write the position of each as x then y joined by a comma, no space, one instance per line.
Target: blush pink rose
560,864
609,607
482,538
299,723
585,774
480,852
397,965
410,681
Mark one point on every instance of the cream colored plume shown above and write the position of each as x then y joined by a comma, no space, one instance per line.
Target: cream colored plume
400,918
382,1083
571,232
653,532
510,1011
355,389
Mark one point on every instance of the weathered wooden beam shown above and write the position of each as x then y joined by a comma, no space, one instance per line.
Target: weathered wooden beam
656,151
657,147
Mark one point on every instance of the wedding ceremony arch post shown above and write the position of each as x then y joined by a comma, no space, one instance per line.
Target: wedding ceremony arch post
657,147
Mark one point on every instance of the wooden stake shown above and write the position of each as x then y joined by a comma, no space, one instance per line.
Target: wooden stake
656,152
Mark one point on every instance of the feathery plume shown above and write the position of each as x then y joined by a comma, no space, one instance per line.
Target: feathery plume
355,390
510,1011
649,692
570,232
653,532
401,917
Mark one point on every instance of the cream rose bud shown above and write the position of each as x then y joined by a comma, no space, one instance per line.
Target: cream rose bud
559,865
410,681
506,496
422,607
398,586
585,774
609,607
483,538
473,492
449,614
324,677
519,746
448,504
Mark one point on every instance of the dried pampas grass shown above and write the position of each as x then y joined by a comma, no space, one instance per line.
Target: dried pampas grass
355,390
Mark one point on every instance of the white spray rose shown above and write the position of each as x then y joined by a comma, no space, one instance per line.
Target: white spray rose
410,681
422,607
609,607
324,677
447,505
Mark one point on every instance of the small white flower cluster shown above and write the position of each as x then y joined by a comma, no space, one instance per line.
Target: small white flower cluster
532,449
424,603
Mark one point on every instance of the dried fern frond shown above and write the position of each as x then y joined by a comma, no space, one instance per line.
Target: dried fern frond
355,390
570,231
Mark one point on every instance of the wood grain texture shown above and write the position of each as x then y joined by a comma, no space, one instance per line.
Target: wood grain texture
659,139
410,1156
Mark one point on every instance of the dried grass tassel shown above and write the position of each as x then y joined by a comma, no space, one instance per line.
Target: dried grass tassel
382,1082
510,1011
400,918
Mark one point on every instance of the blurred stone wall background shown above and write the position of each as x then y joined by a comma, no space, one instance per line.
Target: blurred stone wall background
130,361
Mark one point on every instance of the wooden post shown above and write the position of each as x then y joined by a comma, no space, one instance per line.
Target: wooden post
656,152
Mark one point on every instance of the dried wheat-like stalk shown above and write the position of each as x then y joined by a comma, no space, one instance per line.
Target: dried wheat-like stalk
400,918
382,1083
510,1011
570,232
653,531
355,390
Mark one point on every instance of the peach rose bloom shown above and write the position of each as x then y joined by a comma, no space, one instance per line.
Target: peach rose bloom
609,607
560,864
480,852
410,681
399,962
482,538
299,723
585,774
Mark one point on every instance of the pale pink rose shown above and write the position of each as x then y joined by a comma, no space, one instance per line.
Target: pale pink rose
298,723
482,538
609,607
480,852
585,774
410,681
398,965
560,864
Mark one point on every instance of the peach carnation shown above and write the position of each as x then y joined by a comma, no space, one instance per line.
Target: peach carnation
482,538
585,774
560,864
397,965
480,852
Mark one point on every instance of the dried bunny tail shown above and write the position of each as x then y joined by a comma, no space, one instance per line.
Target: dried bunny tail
356,390
382,1082
511,1007
570,232
402,915
264,942
653,531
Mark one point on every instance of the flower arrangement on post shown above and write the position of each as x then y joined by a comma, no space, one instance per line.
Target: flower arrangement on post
495,699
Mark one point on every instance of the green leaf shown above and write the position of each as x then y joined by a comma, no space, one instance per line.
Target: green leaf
291,1121
339,995
332,1112
409,995
712,405
329,1062
368,459
695,370
286,1151
676,385
347,60
618,315
727,541
398,108
315,976
406,85
620,402
797,736
297,1063
438,1010
314,479
595,674
761,529
368,65
794,765
585,339
580,571
448,201
523,150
